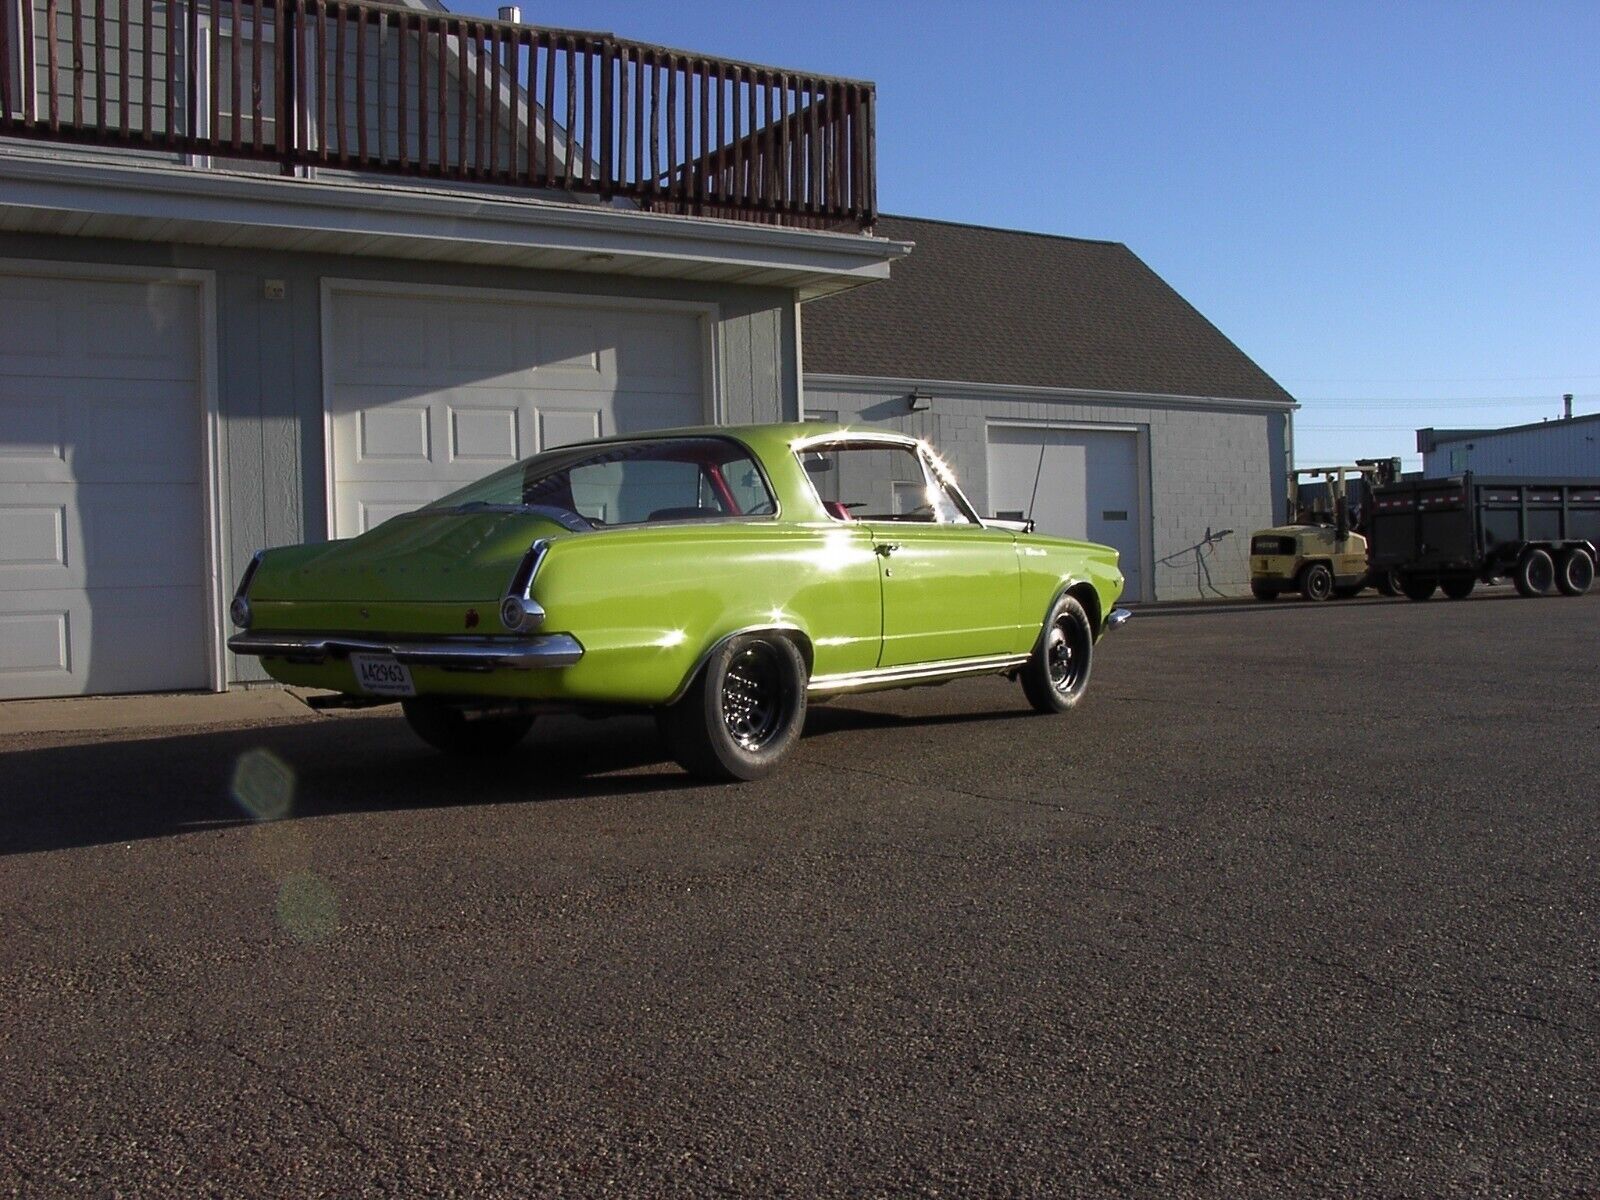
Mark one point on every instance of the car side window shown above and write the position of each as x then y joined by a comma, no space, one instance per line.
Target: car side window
878,481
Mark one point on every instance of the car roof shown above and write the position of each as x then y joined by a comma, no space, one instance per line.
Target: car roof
774,437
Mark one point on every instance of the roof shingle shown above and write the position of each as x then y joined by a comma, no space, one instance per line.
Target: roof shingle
981,305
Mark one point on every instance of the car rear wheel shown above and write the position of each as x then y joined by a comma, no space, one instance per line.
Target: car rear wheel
1535,575
1574,573
1458,588
743,712
1057,675
1418,587
460,732
1316,582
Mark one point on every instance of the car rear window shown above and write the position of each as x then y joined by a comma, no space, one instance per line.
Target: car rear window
630,483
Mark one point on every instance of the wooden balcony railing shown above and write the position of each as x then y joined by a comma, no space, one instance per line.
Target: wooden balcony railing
375,88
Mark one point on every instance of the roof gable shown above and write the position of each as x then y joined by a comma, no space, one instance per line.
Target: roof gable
979,305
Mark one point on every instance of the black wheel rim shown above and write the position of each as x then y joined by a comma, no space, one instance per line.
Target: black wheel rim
755,703
1541,574
1066,655
1321,585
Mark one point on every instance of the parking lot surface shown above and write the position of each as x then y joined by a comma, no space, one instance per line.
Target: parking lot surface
1304,900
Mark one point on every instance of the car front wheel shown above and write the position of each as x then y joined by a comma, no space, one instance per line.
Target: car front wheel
743,712
458,732
1057,674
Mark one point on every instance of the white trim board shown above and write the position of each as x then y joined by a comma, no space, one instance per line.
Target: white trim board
1025,392
213,479
57,193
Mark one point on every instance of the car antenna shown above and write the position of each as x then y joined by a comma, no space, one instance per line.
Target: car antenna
1037,471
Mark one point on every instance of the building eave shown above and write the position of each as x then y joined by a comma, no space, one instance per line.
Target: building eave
167,202
1022,391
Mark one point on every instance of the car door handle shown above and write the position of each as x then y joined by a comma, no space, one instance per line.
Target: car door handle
884,549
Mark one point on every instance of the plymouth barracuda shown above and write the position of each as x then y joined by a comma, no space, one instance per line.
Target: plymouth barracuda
720,578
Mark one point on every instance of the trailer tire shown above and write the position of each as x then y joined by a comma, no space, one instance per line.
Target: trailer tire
1458,587
1418,587
1387,582
1316,582
1575,572
1535,574
1262,591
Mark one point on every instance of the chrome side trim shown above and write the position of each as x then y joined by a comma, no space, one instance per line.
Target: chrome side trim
239,607
933,672
453,654
520,589
249,575
1118,618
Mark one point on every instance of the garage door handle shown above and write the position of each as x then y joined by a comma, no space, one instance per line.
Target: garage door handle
886,548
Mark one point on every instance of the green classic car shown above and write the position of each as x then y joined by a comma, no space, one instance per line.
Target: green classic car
719,577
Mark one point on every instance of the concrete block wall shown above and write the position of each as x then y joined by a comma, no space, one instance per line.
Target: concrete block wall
1220,467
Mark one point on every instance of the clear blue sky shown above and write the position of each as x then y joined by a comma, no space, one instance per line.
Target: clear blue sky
1392,207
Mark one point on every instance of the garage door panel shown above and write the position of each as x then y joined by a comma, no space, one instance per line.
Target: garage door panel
485,435
487,383
32,536
89,329
660,355
120,546
76,642
563,427
577,349
109,439
363,506
102,515
33,647
32,441
486,342
395,433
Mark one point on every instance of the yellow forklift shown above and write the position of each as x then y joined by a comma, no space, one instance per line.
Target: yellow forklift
1320,555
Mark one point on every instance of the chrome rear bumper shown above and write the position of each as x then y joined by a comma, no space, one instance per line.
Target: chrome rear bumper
1118,618
453,654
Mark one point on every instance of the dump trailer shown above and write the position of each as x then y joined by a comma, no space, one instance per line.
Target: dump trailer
1454,532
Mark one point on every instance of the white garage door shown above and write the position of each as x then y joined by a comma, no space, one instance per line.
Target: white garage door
102,517
428,393
1088,486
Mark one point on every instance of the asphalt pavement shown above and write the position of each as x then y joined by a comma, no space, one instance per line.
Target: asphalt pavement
1304,900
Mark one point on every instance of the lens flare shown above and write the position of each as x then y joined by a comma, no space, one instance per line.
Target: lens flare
263,785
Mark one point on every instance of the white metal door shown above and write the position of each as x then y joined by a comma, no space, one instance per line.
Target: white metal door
429,392
1088,486
103,584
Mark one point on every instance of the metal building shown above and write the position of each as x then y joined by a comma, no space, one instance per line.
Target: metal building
1559,449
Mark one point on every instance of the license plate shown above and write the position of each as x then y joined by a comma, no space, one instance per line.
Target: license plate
382,675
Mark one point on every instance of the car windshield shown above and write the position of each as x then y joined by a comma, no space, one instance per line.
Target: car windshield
628,483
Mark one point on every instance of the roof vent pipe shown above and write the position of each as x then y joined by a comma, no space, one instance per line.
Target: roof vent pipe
512,13
1566,405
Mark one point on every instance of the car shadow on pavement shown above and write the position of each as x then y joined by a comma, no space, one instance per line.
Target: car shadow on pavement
91,793
101,792
838,718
